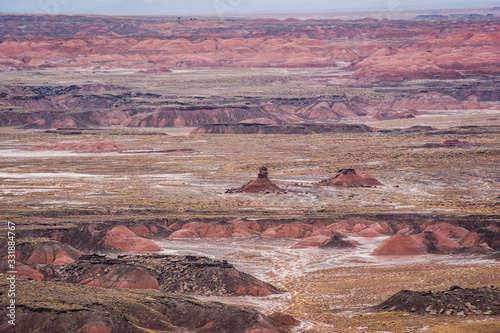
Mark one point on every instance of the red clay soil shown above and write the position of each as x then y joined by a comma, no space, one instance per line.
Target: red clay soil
349,178
104,146
123,239
21,270
283,320
336,242
261,185
367,233
122,276
400,245
43,251
454,143
313,241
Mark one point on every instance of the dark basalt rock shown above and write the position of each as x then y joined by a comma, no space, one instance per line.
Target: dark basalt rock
182,274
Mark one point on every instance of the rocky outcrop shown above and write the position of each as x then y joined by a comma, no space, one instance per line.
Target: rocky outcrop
453,302
261,185
349,178
179,274
20,270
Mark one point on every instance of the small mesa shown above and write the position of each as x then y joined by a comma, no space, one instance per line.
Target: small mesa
261,185
349,178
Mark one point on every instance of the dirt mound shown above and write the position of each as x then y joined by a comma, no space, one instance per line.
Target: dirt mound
180,274
336,242
21,270
400,245
103,146
252,128
111,276
261,185
455,302
349,178
448,230
454,143
207,230
123,239
437,243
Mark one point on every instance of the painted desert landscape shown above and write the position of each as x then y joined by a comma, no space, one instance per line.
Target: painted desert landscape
250,173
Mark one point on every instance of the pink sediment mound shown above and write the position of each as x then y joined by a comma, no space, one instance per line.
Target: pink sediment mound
206,230
313,241
261,185
349,178
104,146
454,143
124,239
400,245
53,253
295,230
325,242
448,230
368,233
283,320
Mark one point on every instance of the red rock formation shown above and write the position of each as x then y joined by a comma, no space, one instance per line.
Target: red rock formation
21,270
454,143
319,230
471,239
400,245
448,230
325,242
312,241
283,320
336,242
295,230
204,230
368,233
53,253
122,276
103,146
123,239
349,178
